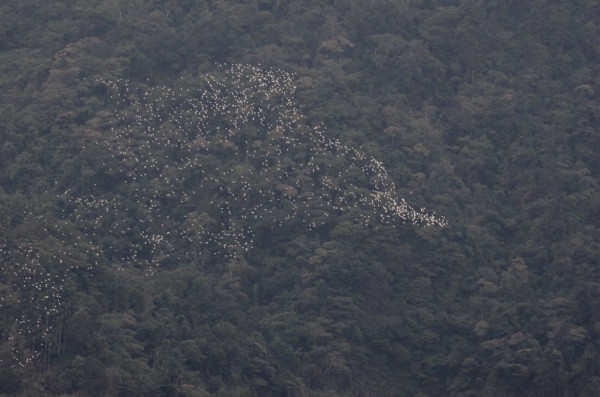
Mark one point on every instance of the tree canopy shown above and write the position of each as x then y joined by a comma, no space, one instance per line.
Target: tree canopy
315,198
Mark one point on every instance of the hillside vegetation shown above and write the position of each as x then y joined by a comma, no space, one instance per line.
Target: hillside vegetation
299,198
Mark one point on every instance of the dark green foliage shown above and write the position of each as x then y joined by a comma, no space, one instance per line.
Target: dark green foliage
485,111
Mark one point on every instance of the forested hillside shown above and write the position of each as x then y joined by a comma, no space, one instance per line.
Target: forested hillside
299,198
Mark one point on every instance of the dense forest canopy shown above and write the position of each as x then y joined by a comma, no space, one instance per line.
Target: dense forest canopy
299,198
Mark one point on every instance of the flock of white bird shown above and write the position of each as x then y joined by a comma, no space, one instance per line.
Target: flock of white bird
31,293
204,166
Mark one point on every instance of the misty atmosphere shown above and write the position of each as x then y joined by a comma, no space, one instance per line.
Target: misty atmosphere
307,198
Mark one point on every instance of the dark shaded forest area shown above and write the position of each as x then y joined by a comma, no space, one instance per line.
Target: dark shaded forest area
130,267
